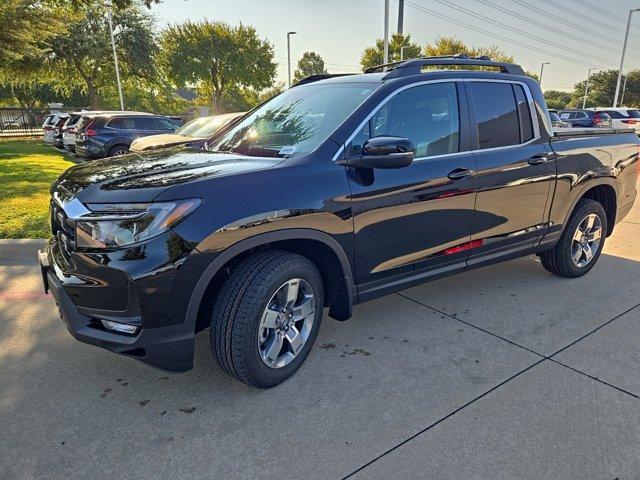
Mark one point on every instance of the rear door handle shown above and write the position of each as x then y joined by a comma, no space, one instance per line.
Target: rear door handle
460,173
538,159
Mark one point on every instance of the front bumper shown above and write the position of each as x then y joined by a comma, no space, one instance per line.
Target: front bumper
169,347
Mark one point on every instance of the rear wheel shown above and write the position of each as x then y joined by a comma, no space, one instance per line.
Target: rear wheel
266,318
117,150
581,243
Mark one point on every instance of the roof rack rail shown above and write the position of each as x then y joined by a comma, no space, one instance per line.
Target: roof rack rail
413,67
320,76
383,66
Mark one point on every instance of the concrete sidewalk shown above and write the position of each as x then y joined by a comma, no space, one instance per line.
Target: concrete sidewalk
502,373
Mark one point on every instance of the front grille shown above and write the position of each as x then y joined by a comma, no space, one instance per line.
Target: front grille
62,227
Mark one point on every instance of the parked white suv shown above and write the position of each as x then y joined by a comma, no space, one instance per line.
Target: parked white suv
622,117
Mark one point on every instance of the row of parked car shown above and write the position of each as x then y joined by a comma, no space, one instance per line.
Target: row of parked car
99,134
597,118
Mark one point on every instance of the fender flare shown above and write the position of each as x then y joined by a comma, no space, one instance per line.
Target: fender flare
262,239
608,181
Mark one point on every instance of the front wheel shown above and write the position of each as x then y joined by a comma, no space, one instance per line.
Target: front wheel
581,243
266,318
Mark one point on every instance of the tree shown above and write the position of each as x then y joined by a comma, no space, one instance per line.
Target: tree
84,54
373,56
24,24
602,88
453,46
216,57
557,99
310,64
33,95
27,25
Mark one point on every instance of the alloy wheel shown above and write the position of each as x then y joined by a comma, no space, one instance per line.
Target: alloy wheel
586,240
286,323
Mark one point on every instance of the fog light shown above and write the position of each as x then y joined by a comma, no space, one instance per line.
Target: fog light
119,327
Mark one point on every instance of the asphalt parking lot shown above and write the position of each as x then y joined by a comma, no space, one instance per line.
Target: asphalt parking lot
502,373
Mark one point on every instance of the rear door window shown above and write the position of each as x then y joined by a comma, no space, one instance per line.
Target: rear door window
614,114
124,123
633,113
496,114
165,124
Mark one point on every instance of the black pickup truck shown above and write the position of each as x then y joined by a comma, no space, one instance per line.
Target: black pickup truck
339,190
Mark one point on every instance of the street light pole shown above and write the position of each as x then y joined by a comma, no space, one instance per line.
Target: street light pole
385,57
289,57
586,89
624,87
624,50
401,17
542,70
115,57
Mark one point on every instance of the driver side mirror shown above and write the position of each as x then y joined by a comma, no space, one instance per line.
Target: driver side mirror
383,152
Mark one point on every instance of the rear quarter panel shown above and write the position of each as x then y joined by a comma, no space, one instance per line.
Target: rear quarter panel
585,161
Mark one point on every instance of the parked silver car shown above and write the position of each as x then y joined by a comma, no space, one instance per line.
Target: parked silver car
622,117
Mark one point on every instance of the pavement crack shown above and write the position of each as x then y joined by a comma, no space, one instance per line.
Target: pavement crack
473,326
437,422
599,380
594,330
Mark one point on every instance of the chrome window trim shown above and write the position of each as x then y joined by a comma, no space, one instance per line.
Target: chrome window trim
525,87
383,102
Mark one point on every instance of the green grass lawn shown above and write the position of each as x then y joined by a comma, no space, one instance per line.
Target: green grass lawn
27,169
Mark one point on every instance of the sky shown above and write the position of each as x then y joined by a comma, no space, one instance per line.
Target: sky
573,35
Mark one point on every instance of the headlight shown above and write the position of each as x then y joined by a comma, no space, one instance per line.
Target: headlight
113,225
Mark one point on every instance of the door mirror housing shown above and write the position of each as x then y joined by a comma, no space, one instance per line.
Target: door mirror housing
383,152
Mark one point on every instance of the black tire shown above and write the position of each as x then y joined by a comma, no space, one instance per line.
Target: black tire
238,309
558,260
113,151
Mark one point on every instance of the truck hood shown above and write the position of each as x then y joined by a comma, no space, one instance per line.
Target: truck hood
141,178
159,141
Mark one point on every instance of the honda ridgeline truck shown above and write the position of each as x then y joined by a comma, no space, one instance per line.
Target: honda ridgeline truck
340,190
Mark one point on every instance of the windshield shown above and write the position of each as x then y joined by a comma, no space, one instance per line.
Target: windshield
188,128
295,122
206,128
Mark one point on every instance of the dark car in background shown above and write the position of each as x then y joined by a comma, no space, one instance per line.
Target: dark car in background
585,118
101,135
192,134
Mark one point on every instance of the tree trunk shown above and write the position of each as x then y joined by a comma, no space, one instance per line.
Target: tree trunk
217,101
92,94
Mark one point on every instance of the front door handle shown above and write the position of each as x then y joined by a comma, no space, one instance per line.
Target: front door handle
460,173
538,159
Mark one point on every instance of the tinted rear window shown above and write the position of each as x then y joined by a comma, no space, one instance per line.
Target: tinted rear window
614,114
126,123
496,114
